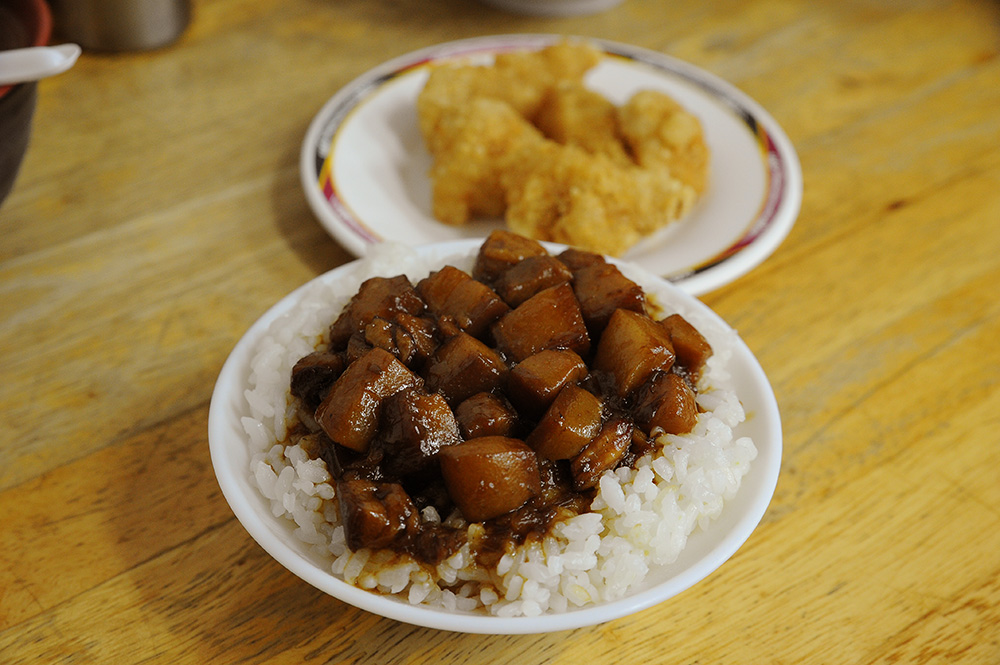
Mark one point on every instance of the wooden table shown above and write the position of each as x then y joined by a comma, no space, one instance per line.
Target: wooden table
159,213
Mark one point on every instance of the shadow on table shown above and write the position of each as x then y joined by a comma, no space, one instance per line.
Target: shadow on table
199,589
297,223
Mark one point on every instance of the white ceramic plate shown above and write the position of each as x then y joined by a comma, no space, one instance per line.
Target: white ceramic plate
364,164
706,550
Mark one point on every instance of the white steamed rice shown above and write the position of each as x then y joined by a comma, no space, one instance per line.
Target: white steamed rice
640,517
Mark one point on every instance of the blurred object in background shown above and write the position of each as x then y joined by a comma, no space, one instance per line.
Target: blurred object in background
553,7
23,23
121,25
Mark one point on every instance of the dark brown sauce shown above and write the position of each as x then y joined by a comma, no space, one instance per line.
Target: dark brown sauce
434,542
412,486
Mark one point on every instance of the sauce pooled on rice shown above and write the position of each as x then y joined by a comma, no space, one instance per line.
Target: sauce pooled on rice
497,398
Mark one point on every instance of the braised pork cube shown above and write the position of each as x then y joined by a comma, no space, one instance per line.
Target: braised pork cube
464,366
602,453
375,514
601,288
502,250
535,381
378,333
691,347
572,421
530,276
313,375
485,414
349,413
452,294
415,426
550,319
417,338
409,338
666,401
378,296
489,476
574,258
632,347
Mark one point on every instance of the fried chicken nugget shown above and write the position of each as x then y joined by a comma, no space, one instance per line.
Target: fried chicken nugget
564,194
450,90
466,172
540,70
519,78
660,133
570,196
473,116
572,114
662,199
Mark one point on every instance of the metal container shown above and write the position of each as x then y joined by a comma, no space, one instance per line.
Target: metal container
121,25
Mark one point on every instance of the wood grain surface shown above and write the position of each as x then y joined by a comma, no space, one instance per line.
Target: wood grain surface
159,213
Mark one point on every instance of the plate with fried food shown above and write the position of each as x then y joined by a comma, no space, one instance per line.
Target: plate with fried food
603,146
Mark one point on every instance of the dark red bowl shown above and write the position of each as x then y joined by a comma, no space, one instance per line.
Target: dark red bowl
17,102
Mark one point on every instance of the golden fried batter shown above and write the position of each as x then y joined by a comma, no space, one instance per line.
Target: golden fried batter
572,114
660,133
471,157
519,78
564,194
525,139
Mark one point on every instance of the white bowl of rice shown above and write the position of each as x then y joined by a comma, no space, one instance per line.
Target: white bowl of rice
653,531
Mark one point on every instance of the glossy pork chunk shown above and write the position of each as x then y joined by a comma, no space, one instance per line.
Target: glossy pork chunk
501,251
416,425
632,349
550,319
349,414
313,375
691,349
490,476
534,382
379,297
453,295
464,366
602,290
532,275
572,421
499,396
486,414
375,515
602,453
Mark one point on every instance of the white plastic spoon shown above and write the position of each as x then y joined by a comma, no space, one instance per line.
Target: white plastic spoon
37,62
